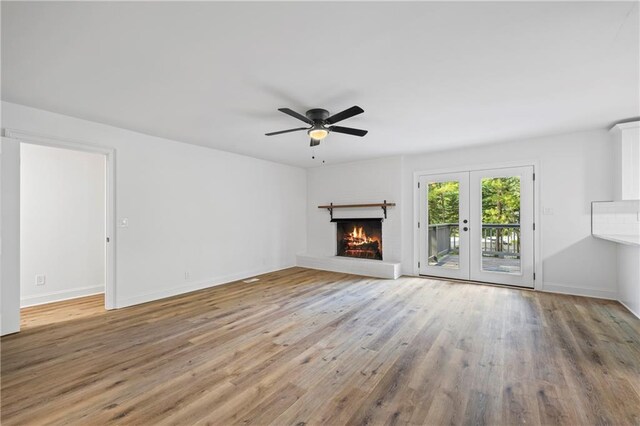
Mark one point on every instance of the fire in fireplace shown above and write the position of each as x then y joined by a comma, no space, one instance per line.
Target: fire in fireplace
361,238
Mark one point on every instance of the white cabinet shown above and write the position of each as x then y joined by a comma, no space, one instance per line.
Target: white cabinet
626,140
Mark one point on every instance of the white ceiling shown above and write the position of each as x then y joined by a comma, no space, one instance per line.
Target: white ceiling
430,76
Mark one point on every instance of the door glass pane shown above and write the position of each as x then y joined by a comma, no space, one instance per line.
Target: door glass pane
501,224
443,234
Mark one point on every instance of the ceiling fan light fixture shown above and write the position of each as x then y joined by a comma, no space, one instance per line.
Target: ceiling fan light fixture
318,134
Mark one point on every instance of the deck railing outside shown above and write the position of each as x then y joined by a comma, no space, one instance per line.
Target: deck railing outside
498,240
443,238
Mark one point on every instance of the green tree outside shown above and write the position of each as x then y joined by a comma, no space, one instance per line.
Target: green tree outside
500,204
500,201
443,202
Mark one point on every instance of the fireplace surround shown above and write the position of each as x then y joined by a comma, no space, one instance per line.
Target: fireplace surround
359,238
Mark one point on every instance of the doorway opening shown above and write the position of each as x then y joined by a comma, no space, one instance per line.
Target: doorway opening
478,225
63,234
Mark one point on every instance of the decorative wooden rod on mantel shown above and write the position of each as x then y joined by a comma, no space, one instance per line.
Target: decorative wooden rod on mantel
332,206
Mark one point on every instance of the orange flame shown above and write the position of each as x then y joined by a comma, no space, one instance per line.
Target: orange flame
358,236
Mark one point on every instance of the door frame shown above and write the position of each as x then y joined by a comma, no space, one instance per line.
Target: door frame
538,283
110,205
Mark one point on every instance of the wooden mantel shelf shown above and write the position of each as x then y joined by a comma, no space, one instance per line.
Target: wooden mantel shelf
382,205
351,206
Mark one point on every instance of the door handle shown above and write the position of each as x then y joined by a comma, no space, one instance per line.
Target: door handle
465,229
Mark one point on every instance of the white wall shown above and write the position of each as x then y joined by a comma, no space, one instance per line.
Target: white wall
216,215
62,220
363,182
9,236
574,169
629,276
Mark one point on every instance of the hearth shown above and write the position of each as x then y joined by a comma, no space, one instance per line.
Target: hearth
360,238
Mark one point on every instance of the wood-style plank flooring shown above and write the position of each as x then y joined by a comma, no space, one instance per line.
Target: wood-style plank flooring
309,347
53,313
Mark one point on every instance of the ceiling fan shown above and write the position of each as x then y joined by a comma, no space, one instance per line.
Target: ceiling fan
322,123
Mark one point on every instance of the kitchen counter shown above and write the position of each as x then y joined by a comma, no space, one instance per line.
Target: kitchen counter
633,240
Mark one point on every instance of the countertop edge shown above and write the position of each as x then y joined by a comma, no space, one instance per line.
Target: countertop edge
621,239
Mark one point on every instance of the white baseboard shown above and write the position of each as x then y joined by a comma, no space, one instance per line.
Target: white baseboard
576,291
565,289
579,291
366,267
194,286
629,309
58,296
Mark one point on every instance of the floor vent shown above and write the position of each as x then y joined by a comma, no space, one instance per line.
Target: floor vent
251,280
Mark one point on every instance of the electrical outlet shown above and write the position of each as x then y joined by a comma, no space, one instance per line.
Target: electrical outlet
187,275
41,279
547,211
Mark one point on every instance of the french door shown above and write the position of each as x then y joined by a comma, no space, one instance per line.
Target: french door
478,226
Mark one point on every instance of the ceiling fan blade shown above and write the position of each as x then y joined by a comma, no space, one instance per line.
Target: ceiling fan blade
314,142
295,115
347,113
348,130
286,131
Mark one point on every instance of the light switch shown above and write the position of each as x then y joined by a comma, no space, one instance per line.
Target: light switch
547,211
41,279
123,222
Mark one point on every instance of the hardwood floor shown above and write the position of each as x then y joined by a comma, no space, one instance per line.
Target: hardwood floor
308,347
52,313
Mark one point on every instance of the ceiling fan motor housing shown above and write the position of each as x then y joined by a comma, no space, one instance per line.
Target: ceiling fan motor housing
317,114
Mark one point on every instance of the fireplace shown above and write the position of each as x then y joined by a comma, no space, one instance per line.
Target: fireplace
360,238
